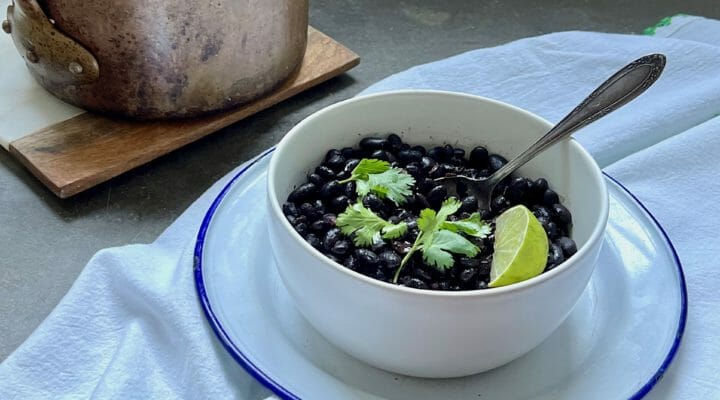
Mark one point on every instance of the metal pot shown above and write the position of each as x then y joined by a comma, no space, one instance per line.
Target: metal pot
159,58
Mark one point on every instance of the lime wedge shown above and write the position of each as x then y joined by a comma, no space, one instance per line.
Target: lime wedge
521,247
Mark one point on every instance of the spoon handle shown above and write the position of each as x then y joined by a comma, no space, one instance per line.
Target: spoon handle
619,89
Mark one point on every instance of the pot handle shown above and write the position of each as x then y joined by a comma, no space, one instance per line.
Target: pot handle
48,53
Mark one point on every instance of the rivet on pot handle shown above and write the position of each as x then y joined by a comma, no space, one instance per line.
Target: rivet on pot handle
49,53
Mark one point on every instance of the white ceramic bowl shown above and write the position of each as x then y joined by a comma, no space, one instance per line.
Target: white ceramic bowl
420,332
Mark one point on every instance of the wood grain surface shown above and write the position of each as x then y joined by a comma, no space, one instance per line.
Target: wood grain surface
83,151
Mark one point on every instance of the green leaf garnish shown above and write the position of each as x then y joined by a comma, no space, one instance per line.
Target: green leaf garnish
367,227
438,237
378,177
471,226
369,166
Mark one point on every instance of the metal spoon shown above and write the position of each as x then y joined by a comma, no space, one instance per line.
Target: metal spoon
618,90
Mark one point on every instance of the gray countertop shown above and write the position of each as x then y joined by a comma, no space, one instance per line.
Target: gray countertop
45,241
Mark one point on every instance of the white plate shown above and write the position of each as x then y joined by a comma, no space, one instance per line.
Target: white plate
616,343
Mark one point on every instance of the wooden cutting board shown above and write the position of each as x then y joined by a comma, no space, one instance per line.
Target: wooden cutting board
88,149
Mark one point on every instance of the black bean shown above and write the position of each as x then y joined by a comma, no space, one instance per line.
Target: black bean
436,196
316,179
379,274
319,206
459,153
405,146
296,219
552,230
401,247
331,237
308,210
331,189
380,155
484,268
404,214
449,151
427,163
518,190
467,262
496,161
378,247
555,254
301,228
425,185
415,170
373,202
416,283
366,258
457,161
313,240
321,225
342,175
437,171
347,152
340,203
437,153
469,204
550,198
479,157
420,149
304,192
351,262
482,284
498,204
351,164
408,156
562,214
332,153
373,143
484,173
326,173
567,245
539,186
394,141
469,276
290,209
336,162
485,214
341,247
389,260
444,285
422,273
350,190
330,218
542,212
421,202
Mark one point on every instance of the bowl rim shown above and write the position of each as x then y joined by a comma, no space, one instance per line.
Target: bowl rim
276,208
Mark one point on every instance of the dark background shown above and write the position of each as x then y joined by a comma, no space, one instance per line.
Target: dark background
45,241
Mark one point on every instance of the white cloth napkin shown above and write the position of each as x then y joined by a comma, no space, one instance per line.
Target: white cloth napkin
131,326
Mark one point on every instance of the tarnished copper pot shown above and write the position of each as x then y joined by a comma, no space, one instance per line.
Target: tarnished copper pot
153,59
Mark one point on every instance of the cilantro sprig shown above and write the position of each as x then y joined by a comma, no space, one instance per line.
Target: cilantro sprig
385,181
438,237
366,226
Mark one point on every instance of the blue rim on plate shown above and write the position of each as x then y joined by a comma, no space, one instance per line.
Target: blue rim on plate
283,393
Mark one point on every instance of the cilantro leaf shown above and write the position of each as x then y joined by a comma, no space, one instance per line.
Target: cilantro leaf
439,238
377,176
394,184
472,226
436,251
369,166
367,227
